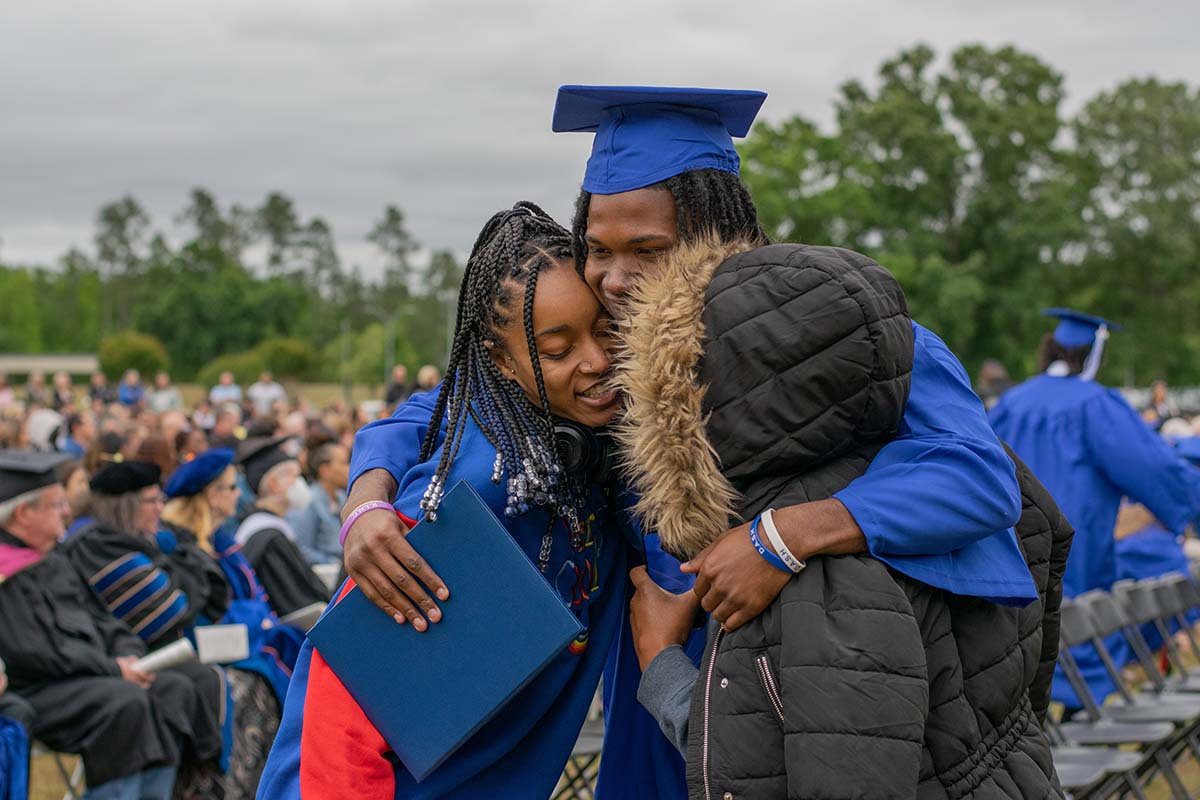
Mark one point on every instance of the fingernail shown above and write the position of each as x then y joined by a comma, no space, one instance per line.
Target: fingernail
420,624
443,593
435,615
399,618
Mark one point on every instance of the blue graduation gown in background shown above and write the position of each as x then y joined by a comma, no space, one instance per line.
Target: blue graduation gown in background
938,503
1090,449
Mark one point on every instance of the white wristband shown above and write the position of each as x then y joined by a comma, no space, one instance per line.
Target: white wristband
785,555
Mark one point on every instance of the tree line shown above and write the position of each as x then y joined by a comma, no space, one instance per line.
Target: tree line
964,176
968,180
211,309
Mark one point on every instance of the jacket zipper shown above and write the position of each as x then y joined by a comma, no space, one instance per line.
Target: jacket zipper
712,662
769,685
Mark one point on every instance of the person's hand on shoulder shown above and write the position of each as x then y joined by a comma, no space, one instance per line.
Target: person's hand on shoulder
659,619
733,582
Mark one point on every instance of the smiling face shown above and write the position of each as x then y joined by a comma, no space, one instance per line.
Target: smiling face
573,334
627,234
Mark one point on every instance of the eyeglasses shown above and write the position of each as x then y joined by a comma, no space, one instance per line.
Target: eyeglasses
158,498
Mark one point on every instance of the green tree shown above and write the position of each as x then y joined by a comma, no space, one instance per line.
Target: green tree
131,350
20,322
1142,265
397,246
279,223
956,179
122,228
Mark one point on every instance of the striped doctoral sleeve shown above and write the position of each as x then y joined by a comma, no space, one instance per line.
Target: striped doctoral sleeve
140,594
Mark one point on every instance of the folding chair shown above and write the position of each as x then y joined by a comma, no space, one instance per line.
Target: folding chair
72,779
1156,602
1110,616
1156,740
1081,770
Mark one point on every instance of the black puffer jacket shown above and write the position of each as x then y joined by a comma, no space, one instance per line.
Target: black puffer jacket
790,365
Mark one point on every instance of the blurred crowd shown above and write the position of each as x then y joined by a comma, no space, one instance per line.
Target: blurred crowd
128,523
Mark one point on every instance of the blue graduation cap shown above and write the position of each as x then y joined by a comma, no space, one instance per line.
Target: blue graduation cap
646,134
1075,328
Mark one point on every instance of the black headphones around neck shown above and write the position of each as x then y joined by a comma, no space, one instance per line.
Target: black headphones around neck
585,453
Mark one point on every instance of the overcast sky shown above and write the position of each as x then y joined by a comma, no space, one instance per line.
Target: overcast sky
444,107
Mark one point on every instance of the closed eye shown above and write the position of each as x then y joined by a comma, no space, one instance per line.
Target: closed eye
558,356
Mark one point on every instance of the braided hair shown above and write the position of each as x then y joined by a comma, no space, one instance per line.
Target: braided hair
499,283
706,200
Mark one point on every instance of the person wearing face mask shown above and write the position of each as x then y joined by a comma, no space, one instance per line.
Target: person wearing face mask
273,474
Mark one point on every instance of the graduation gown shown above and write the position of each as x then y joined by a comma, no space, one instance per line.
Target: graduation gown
326,743
273,647
60,648
953,531
158,596
282,569
1090,449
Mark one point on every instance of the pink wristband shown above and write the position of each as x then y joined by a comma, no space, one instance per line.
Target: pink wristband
358,512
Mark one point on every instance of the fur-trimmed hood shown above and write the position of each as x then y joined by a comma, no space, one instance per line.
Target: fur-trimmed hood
746,369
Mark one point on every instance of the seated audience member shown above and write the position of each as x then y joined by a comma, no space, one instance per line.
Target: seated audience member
37,393
74,479
8,398
75,664
203,495
119,550
428,377
225,425
99,392
81,433
183,586
317,526
268,540
159,451
63,396
398,390
163,397
131,393
265,393
226,391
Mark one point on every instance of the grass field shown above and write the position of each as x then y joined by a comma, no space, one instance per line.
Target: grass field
318,395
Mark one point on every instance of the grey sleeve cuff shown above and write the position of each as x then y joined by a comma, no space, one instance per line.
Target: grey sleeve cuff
666,692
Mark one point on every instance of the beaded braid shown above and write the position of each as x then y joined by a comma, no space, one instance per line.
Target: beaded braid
705,200
509,254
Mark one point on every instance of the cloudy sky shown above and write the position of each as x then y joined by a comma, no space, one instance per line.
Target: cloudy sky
439,106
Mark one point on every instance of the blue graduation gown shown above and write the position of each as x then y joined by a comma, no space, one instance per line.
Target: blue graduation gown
938,503
1090,449
520,752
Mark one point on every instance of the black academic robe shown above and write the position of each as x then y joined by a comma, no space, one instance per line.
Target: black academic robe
60,648
281,568
158,595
